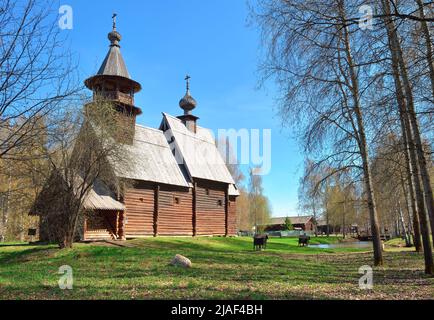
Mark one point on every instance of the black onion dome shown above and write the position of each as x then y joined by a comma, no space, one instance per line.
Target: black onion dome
187,103
114,37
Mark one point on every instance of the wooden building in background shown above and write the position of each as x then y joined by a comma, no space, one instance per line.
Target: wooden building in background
304,223
177,184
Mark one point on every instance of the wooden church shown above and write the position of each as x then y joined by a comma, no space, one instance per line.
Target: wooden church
167,197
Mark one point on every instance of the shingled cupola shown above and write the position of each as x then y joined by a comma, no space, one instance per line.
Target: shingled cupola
113,83
187,103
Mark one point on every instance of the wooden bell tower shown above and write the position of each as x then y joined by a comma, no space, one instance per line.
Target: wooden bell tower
113,83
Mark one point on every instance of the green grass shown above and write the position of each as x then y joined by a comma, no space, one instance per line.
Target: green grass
397,242
223,268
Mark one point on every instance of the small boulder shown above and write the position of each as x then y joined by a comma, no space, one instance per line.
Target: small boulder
181,261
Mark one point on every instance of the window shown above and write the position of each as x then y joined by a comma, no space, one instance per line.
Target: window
176,200
207,192
220,203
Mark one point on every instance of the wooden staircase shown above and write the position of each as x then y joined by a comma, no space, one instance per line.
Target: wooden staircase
102,230
95,235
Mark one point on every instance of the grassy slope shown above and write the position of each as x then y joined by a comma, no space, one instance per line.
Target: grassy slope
222,268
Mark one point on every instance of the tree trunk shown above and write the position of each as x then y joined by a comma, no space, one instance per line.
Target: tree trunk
72,212
6,207
411,164
343,222
429,48
417,143
404,228
415,225
412,167
315,220
362,143
399,65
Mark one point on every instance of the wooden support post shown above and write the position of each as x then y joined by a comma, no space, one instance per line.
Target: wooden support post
156,208
117,225
84,228
122,225
227,211
121,215
194,209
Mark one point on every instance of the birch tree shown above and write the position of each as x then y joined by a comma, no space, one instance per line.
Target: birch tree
314,59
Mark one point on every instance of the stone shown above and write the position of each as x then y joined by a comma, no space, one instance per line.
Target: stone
181,261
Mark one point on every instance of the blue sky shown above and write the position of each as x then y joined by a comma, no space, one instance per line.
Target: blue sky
210,40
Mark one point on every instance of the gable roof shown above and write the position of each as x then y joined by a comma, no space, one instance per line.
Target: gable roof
151,159
198,151
233,190
294,220
100,197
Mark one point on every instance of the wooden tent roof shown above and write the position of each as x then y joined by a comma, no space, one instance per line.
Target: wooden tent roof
198,150
114,64
114,67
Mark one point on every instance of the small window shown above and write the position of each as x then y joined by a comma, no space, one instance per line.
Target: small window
207,192
220,203
176,200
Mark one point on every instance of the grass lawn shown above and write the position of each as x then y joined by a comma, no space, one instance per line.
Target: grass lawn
223,268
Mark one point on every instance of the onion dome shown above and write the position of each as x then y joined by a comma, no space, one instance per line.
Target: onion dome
114,36
187,103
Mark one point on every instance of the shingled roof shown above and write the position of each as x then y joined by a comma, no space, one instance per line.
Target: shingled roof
114,64
199,151
151,159
100,197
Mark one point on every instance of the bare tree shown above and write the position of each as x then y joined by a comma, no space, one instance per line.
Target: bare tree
259,205
36,74
83,149
19,185
428,42
315,60
310,193
412,132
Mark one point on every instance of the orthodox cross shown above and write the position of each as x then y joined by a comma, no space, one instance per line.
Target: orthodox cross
187,78
114,20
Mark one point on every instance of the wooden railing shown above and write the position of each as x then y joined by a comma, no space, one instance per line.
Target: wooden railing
118,96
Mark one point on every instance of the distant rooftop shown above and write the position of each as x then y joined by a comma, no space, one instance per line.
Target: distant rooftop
294,220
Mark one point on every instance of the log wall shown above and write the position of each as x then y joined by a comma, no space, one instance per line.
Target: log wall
162,210
210,214
232,217
175,216
139,204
